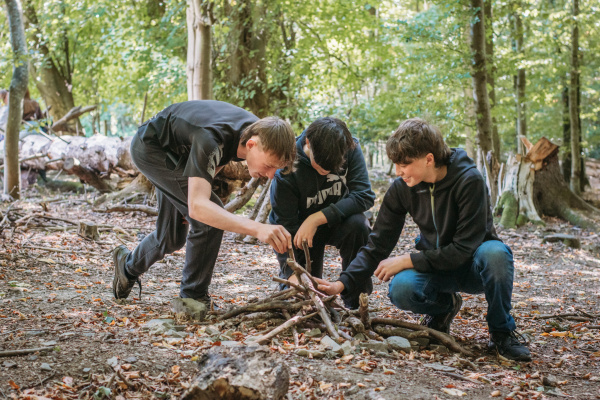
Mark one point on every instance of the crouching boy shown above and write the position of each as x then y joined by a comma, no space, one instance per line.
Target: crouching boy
457,249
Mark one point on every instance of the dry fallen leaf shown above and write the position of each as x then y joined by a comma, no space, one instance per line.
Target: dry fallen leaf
496,393
454,392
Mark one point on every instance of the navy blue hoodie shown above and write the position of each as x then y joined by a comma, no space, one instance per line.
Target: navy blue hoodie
297,195
453,215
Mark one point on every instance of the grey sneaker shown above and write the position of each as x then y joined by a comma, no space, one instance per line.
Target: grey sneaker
122,285
442,322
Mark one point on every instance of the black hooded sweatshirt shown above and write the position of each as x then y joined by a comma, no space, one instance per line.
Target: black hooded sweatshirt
297,195
453,215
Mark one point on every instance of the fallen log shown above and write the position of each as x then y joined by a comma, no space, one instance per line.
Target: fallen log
239,373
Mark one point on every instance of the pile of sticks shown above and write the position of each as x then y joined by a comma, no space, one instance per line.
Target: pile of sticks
310,307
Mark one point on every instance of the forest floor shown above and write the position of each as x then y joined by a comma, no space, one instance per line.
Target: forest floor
55,292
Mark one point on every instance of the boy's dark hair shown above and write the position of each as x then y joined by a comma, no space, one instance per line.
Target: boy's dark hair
276,136
415,138
330,140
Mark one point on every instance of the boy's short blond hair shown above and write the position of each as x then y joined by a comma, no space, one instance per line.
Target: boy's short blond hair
276,137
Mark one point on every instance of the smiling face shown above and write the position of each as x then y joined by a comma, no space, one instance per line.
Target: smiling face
417,171
261,163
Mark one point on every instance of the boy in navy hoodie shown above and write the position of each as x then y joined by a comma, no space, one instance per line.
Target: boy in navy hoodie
457,249
324,199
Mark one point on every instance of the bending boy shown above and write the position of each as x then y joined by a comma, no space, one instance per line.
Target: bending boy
323,200
180,150
458,249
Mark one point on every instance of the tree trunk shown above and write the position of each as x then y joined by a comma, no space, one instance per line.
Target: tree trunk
199,67
491,71
480,93
574,105
535,186
248,61
50,81
520,84
18,86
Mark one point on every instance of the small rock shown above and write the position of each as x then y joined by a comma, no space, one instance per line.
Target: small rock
353,390
360,336
45,367
310,353
131,360
50,343
382,354
375,346
398,343
34,333
421,341
32,357
192,308
145,343
89,334
329,343
440,367
550,380
230,343
86,370
347,348
158,323
313,333
212,331
113,361
9,364
438,348
175,334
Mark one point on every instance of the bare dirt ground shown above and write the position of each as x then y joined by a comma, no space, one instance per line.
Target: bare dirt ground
55,293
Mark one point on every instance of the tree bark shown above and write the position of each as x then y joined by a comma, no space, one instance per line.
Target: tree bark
480,93
248,61
199,67
574,105
491,71
52,83
18,86
520,83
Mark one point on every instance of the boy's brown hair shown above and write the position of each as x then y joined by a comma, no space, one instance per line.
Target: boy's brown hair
415,138
276,137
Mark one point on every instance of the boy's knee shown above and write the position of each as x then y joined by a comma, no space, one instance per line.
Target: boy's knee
402,291
359,225
497,258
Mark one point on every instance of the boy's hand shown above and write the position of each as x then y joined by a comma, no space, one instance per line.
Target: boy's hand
276,236
391,266
308,229
330,288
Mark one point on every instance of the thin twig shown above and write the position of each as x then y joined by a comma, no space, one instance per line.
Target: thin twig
21,352
288,324
307,256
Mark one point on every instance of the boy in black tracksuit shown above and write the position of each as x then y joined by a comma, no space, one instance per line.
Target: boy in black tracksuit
458,249
324,199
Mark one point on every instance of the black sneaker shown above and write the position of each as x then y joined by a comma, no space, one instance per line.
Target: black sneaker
442,322
511,345
122,285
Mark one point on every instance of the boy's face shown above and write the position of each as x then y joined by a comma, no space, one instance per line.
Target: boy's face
417,171
260,162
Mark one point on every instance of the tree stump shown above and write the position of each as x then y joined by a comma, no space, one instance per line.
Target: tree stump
239,373
88,230
534,186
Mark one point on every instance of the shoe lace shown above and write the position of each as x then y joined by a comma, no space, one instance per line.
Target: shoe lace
517,338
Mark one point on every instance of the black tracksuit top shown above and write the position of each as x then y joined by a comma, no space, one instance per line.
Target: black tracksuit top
453,215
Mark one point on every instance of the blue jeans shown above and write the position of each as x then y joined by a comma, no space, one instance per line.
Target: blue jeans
491,272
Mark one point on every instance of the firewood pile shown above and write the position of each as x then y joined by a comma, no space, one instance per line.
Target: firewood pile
304,306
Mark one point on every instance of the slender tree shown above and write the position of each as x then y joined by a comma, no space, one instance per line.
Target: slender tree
18,86
480,93
574,104
491,72
199,65
520,79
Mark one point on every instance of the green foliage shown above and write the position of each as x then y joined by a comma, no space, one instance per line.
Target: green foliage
371,63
